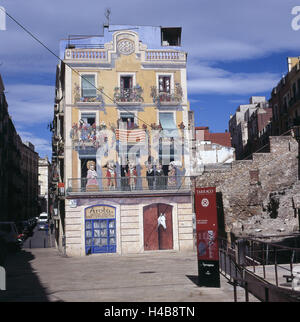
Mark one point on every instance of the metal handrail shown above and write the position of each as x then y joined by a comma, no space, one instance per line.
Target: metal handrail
249,280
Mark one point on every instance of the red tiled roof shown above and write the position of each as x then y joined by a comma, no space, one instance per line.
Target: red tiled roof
223,139
219,138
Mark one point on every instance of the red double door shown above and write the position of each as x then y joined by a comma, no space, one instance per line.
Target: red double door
156,236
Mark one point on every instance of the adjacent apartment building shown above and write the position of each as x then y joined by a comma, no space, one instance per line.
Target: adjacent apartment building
211,149
121,157
285,99
18,170
242,123
44,173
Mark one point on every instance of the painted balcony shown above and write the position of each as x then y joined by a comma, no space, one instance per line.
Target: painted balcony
80,99
174,97
128,96
129,185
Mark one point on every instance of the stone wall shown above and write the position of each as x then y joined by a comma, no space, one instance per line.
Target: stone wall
248,190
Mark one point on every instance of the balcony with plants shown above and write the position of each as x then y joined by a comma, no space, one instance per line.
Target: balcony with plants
173,97
128,96
91,97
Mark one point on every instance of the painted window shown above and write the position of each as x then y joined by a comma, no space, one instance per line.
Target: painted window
164,84
126,82
100,236
88,118
127,120
88,86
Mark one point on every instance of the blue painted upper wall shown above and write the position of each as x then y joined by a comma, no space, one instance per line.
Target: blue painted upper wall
149,35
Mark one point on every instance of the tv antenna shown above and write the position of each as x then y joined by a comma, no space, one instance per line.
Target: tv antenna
107,15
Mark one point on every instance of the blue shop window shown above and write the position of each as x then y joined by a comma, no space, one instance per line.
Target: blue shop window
100,236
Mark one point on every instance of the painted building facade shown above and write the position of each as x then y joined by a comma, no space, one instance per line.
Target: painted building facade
121,143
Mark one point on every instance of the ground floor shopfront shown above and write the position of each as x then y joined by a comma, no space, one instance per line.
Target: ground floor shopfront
132,224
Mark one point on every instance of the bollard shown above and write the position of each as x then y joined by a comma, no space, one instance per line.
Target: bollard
234,290
44,242
296,279
30,243
246,292
266,294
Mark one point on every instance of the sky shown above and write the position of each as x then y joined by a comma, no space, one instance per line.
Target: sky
236,49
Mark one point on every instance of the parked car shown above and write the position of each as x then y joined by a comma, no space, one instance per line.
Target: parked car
9,233
25,227
43,218
33,221
3,251
43,226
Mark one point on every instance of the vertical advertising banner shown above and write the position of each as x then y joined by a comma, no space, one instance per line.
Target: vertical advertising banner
207,236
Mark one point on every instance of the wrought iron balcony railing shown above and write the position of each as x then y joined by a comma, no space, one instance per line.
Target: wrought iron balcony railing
167,98
128,95
138,185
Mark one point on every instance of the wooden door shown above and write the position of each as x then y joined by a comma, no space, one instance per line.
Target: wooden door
165,236
156,237
150,227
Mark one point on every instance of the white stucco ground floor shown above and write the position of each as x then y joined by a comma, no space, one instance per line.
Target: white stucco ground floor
128,224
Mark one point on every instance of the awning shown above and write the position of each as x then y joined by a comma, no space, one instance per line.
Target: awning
168,125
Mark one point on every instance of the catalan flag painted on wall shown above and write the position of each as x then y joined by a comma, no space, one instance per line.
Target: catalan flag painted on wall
131,136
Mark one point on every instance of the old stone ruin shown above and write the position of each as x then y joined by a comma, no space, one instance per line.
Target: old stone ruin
259,197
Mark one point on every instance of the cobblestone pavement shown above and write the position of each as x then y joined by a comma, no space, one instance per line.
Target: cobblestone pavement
43,275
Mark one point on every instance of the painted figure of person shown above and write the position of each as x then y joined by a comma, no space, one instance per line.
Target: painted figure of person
91,176
111,175
124,179
132,175
172,174
159,177
150,174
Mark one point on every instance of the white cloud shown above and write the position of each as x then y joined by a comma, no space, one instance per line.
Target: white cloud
29,103
232,83
41,145
212,30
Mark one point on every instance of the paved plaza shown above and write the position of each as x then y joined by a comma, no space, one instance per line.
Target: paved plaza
41,274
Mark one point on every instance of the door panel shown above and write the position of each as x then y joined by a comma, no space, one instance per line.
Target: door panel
150,227
165,236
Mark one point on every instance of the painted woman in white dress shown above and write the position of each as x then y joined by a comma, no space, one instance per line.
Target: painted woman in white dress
92,183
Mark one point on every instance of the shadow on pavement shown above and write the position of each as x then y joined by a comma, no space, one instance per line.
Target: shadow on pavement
194,279
22,283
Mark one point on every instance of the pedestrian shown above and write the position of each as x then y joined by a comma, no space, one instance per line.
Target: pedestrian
51,227
46,228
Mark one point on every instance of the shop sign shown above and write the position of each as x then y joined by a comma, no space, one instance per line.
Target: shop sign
100,212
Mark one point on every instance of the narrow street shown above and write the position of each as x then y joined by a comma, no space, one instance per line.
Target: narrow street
39,239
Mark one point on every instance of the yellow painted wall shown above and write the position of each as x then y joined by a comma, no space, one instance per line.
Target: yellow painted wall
108,79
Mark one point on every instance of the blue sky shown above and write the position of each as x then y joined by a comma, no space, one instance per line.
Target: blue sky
236,49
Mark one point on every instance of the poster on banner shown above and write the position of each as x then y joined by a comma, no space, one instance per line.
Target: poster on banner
206,223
